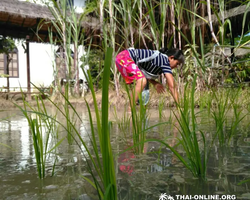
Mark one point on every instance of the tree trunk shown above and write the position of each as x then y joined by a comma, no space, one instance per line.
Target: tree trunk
76,70
173,21
8,73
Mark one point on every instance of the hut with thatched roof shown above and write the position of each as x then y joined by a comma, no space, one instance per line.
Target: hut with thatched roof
22,20
19,19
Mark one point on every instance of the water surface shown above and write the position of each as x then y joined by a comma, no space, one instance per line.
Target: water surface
139,177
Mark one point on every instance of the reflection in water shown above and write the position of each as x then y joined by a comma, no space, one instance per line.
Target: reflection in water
146,177
164,162
18,165
26,148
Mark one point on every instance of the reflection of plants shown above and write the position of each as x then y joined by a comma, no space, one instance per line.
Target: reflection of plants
4,119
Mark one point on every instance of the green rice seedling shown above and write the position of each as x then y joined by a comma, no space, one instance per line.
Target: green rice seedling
104,166
101,164
238,117
238,113
160,108
123,123
226,100
41,126
209,102
139,122
195,148
192,145
219,114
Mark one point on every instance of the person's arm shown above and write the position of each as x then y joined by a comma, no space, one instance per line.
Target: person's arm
158,86
172,86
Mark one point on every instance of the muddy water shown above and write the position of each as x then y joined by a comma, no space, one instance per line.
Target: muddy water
139,177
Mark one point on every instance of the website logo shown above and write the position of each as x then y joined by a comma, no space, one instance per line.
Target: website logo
165,196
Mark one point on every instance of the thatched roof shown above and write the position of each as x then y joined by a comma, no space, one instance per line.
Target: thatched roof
19,19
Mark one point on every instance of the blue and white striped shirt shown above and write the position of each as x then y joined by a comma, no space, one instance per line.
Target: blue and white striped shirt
156,66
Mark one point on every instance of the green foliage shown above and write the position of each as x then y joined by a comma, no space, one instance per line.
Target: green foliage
244,40
7,45
94,59
195,145
68,25
104,166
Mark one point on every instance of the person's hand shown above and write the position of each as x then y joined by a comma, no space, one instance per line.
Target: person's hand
159,88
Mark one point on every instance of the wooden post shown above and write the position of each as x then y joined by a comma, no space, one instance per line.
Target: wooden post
28,68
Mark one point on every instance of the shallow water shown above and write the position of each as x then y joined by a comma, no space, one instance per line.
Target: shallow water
139,177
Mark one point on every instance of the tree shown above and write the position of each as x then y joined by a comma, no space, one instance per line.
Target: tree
7,45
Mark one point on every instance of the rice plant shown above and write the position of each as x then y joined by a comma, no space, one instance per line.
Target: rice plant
43,127
101,164
160,108
104,166
139,122
70,124
225,101
123,123
192,144
192,140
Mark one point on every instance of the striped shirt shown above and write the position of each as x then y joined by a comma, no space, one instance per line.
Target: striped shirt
154,67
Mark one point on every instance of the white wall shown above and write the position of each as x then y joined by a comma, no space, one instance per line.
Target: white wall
41,68
41,64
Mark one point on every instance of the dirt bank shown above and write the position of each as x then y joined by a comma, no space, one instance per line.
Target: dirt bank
119,100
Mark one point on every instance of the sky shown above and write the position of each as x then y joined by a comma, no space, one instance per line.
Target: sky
78,3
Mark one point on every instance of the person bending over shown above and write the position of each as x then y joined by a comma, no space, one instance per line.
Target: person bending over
142,65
